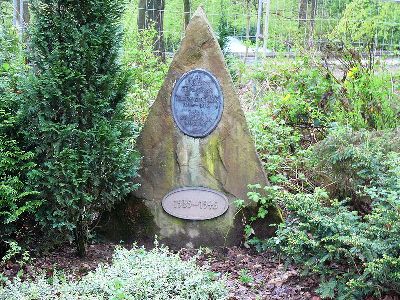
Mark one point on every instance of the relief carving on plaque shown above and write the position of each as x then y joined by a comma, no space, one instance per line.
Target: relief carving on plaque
197,103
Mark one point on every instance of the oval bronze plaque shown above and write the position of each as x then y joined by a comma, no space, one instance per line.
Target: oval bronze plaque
197,103
195,203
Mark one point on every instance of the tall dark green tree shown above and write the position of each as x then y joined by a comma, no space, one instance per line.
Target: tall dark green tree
73,109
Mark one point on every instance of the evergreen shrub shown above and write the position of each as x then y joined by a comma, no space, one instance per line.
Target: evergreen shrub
356,253
73,111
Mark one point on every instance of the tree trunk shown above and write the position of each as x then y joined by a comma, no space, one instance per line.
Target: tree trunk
313,13
142,14
302,12
21,15
16,16
80,235
247,30
186,11
24,15
151,15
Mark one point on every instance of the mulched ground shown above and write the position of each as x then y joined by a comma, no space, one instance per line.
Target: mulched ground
269,278
250,275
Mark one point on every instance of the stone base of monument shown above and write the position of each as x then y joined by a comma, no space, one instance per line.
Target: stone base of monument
198,155
135,222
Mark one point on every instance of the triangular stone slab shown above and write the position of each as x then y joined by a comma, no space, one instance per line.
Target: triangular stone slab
224,161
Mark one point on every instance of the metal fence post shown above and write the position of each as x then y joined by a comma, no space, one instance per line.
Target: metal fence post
266,25
21,17
259,15
16,14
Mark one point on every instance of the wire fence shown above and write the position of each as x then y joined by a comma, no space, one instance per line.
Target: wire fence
274,26
249,27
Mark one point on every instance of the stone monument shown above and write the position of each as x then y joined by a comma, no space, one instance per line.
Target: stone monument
198,155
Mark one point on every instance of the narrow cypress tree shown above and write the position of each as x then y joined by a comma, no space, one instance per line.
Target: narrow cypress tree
73,106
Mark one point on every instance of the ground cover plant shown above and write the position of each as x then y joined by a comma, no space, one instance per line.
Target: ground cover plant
350,241
132,274
355,255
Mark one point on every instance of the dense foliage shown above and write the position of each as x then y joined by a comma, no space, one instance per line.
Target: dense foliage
73,114
16,196
145,69
134,274
347,161
328,137
356,254
312,93
351,236
368,22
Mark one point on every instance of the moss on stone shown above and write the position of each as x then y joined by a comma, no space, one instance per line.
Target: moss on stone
210,154
169,162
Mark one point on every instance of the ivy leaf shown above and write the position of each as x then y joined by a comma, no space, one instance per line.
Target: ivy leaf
327,289
6,67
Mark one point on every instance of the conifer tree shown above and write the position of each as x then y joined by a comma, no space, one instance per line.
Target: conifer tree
74,115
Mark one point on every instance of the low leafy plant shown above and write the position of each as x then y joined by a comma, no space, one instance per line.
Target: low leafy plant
245,276
14,251
346,161
276,143
309,94
17,254
264,198
134,274
368,101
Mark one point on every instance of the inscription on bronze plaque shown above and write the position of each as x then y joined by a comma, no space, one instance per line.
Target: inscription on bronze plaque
197,103
195,203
